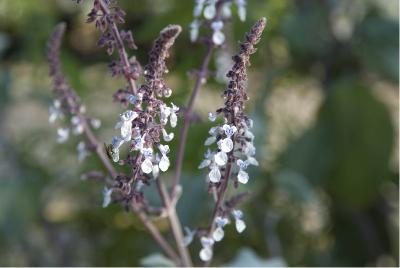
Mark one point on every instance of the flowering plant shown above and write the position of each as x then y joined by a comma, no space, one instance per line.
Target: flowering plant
144,128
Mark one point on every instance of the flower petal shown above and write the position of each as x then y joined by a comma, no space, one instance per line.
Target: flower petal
147,166
226,145
221,158
164,163
206,254
210,140
204,163
214,175
218,234
243,177
240,226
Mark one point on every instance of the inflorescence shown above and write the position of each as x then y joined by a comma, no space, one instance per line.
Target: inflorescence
144,126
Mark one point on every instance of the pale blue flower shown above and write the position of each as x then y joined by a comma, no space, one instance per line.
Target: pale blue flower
107,196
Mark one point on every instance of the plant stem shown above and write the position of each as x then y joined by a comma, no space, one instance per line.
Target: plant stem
175,224
121,48
201,75
156,235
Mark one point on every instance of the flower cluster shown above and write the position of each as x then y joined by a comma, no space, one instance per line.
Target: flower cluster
234,138
146,121
214,13
66,103
235,150
207,243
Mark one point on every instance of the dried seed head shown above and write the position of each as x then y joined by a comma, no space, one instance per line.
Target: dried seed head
160,51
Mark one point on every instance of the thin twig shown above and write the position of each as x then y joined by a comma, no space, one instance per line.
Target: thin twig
187,117
175,223
120,46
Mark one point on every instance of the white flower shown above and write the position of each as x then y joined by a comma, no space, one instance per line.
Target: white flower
173,120
138,142
221,221
249,149
226,10
115,155
218,234
77,129
166,112
212,116
194,30
55,111
206,242
63,135
116,142
210,140
208,154
239,223
129,115
221,158
164,149
96,123
188,238
213,131
215,174
147,152
243,177
207,161
248,134
131,98
172,114
125,124
240,226
252,161
218,38
126,130
167,137
242,164
206,252
107,196
229,130
217,25
174,108
82,151
167,92
209,11
147,166
164,161
241,4
225,145
77,126
198,8
204,163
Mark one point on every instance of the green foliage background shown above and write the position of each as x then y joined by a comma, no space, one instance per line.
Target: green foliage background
324,97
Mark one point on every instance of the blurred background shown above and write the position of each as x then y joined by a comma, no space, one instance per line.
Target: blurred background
324,98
